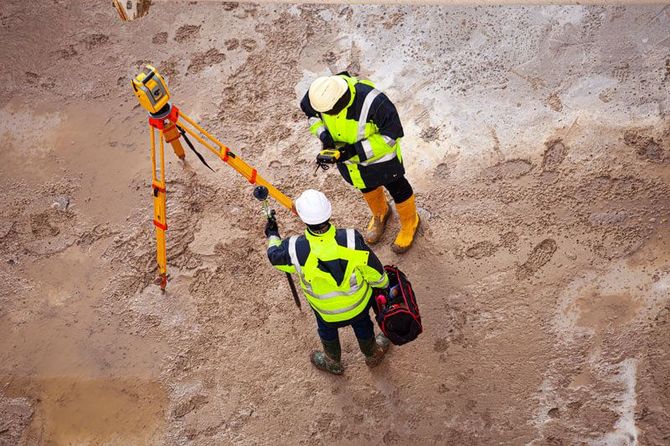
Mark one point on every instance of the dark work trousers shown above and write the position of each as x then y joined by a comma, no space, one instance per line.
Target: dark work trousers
362,325
399,189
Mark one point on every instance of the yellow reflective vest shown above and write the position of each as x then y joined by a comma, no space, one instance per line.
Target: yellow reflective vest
337,270
370,123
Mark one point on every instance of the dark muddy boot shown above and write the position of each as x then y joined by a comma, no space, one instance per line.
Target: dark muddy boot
374,349
329,359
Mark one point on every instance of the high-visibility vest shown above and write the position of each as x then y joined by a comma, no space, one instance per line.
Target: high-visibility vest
347,128
332,301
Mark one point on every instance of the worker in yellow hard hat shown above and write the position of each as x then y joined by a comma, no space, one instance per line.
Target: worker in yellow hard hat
338,274
358,120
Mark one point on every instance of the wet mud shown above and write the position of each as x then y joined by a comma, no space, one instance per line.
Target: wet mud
541,269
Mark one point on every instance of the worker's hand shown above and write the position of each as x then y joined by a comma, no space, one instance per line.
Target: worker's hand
271,228
347,151
326,140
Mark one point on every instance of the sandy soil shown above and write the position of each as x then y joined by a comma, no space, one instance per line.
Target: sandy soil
538,142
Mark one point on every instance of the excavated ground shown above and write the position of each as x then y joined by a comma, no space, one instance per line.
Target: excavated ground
538,143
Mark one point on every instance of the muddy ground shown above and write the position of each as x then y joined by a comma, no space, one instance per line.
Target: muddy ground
537,141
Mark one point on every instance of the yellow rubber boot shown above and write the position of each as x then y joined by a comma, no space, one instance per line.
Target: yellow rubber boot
380,214
409,222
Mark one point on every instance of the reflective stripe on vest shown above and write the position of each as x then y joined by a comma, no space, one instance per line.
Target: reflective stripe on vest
388,140
363,120
354,287
383,159
351,239
344,310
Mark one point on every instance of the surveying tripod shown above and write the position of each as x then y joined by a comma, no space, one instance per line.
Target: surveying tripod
152,93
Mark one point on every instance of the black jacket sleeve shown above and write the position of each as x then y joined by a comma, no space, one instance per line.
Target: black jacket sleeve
385,116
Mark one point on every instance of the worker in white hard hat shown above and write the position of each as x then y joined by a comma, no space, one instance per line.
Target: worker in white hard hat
338,273
363,125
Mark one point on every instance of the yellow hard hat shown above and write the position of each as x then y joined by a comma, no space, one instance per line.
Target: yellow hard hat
326,91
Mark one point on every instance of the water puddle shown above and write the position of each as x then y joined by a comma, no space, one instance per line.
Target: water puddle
79,411
89,379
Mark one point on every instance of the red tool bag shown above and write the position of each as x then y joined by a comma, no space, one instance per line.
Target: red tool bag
398,314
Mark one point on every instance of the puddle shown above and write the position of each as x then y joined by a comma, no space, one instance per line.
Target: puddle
73,411
89,379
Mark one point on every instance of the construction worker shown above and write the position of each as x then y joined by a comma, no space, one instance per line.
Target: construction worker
338,273
362,123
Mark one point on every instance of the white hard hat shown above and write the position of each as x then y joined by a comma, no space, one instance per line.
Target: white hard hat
326,91
313,207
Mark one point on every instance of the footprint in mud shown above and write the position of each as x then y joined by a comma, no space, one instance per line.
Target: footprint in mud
511,169
347,12
31,78
251,11
442,171
41,226
539,257
67,53
621,73
441,345
509,240
189,406
187,32
646,147
160,38
200,61
249,44
329,57
168,69
429,134
34,79
481,250
394,20
354,66
93,40
554,102
554,154
229,6
278,133
232,44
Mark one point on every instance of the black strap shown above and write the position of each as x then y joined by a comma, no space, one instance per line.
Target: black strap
188,141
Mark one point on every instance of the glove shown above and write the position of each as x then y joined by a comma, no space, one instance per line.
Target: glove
326,140
271,228
347,151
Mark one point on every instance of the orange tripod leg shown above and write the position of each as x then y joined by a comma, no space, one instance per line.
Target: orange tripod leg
235,162
159,193
172,136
